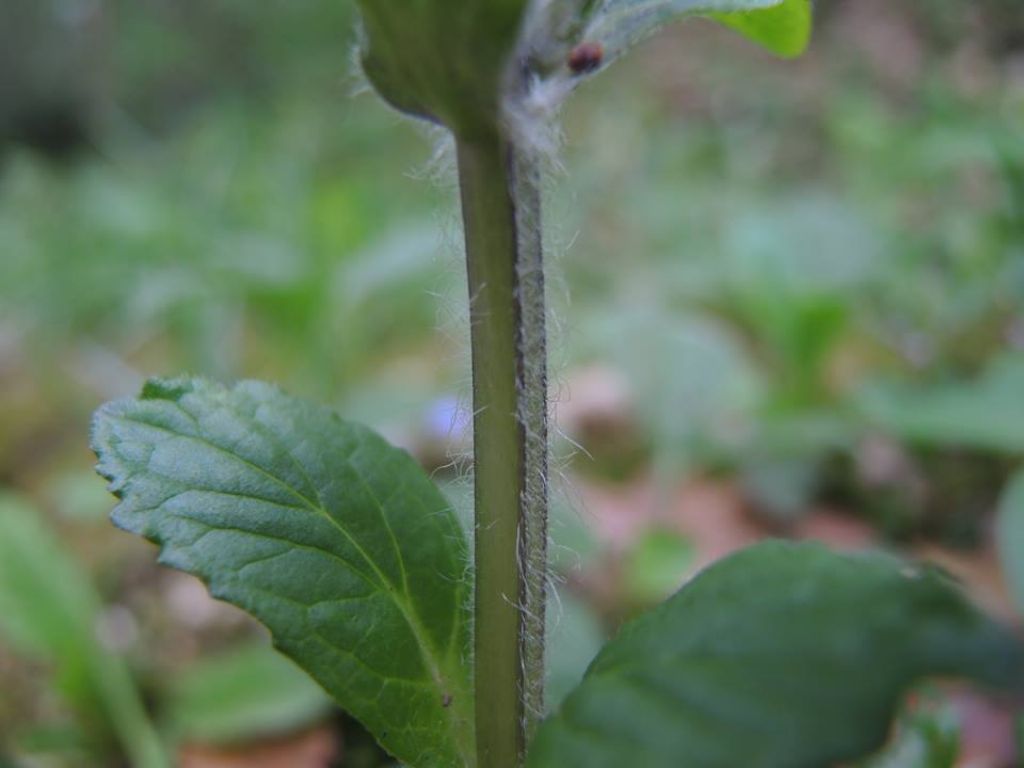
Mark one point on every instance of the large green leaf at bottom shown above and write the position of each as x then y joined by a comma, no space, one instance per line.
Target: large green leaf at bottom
336,541
782,656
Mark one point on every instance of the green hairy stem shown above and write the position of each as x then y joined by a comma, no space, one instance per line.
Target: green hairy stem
501,211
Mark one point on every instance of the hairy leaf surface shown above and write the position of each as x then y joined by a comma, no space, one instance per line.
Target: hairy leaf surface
782,656
335,540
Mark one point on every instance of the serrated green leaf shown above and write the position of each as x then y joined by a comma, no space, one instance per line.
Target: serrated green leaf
782,26
244,693
49,612
1010,536
336,541
781,656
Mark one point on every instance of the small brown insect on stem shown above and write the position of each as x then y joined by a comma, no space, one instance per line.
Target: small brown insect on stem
585,57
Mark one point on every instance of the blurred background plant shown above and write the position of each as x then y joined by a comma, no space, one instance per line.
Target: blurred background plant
797,308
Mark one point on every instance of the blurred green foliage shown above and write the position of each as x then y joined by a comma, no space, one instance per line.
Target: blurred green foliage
809,260
928,737
214,215
49,613
246,692
810,275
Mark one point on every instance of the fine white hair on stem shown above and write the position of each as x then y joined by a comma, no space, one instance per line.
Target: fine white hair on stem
542,80
439,169
530,116
359,82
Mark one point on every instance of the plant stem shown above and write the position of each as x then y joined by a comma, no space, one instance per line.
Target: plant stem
504,251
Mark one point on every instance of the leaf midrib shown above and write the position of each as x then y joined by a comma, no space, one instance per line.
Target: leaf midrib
427,650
